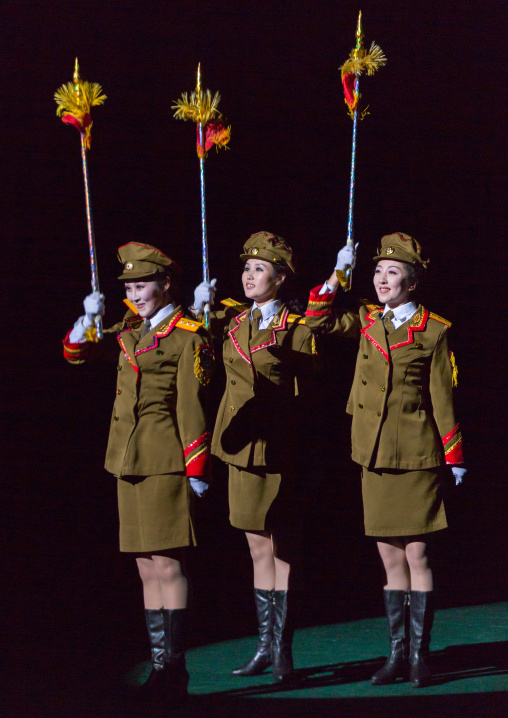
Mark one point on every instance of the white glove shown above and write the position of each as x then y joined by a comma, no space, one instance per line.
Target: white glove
199,486
204,294
346,257
458,474
93,305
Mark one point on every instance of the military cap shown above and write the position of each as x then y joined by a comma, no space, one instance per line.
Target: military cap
141,261
401,247
270,248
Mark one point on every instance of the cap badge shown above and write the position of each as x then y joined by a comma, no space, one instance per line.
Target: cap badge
129,265
390,250
254,250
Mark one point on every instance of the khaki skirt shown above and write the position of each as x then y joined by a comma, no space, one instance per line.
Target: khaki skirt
403,503
155,513
251,497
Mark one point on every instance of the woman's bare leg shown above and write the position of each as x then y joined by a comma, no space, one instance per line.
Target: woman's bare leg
152,593
416,555
393,555
172,580
261,551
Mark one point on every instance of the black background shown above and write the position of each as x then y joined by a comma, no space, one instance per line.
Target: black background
430,162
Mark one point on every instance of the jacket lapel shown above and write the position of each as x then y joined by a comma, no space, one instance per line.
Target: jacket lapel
374,331
268,337
405,334
163,329
127,338
239,335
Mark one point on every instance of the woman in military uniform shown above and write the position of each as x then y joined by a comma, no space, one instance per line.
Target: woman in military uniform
268,358
403,433
158,442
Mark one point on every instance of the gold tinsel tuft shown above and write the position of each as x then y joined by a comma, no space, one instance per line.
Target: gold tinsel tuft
68,102
365,62
188,108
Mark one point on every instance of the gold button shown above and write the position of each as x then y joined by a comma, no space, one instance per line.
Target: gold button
379,413
383,389
159,352
233,382
364,382
360,406
115,418
230,359
118,391
119,368
365,356
231,408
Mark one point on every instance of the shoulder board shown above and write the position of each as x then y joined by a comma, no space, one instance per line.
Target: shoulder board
234,304
368,305
190,325
130,321
292,318
130,305
439,319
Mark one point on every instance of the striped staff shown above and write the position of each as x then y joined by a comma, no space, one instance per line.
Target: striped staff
358,61
202,109
74,100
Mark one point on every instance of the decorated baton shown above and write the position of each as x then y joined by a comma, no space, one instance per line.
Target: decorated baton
202,109
74,100
358,61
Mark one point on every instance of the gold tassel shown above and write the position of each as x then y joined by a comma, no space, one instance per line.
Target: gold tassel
455,370
188,108
91,94
367,62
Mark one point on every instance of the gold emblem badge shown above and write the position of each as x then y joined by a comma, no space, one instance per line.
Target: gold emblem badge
390,250
129,265
254,250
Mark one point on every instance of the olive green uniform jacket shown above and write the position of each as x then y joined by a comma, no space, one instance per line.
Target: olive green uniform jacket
158,423
254,426
401,398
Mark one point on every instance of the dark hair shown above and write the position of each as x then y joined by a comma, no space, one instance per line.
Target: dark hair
415,274
160,280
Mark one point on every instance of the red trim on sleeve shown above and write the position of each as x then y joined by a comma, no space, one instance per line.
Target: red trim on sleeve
447,438
454,455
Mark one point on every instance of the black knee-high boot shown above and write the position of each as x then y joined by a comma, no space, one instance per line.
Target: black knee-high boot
396,665
283,630
175,644
262,658
421,620
155,627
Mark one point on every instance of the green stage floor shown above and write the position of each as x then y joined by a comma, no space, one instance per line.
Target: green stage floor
334,664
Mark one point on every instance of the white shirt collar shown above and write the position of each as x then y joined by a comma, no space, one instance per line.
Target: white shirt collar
402,312
268,311
161,314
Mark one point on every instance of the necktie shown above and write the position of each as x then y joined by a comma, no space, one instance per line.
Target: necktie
387,321
145,329
256,318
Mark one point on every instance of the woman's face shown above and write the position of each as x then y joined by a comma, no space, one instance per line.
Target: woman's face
147,297
260,281
391,282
